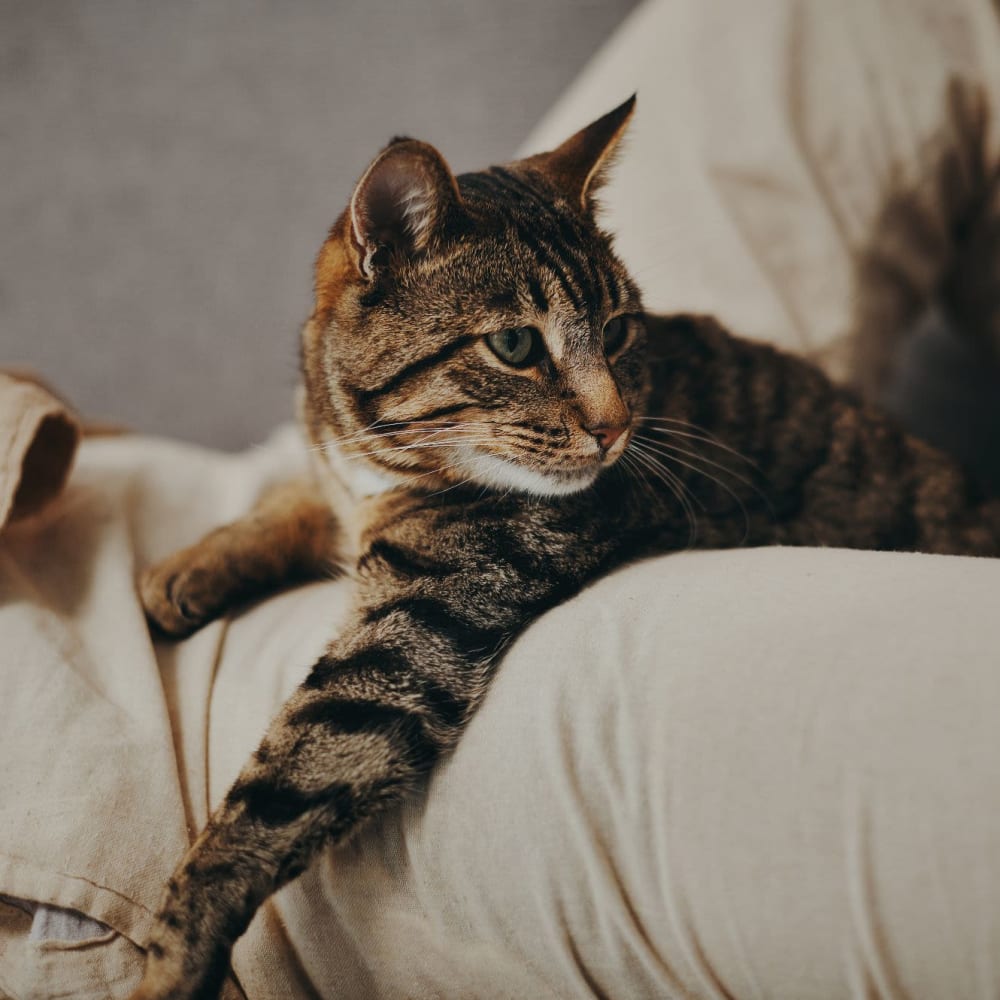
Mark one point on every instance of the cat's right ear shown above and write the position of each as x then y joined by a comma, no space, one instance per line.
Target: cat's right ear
403,200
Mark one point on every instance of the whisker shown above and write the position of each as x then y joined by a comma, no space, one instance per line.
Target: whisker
418,446
436,472
650,455
377,429
629,464
718,482
674,483
749,484
678,489
638,466
704,435
454,486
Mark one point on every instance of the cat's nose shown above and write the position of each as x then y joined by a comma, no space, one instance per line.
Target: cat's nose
606,435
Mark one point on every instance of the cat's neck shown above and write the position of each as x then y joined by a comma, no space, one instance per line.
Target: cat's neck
359,478
347,481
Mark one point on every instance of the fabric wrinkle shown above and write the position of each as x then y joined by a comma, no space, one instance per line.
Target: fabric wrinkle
869,945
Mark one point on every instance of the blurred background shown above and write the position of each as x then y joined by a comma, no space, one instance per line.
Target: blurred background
169,171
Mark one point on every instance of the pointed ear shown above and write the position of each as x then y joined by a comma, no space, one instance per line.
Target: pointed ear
401,202
578,167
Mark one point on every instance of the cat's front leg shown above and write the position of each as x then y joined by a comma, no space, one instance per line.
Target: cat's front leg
443,589
357,736
373,716
289,534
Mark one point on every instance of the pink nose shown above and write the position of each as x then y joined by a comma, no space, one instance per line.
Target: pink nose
606,436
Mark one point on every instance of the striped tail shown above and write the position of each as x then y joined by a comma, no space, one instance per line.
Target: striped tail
935,241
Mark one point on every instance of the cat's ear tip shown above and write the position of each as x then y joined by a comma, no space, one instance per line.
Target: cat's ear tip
625,110
404,157
401,147
626,107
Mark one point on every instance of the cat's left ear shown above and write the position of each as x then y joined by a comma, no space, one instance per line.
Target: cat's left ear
579,166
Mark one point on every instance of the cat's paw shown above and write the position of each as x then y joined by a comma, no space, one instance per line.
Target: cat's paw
178,596
158,989
147,992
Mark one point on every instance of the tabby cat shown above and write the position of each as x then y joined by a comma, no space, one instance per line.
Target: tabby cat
495,422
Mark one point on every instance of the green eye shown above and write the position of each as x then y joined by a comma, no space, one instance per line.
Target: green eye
615,332
520,346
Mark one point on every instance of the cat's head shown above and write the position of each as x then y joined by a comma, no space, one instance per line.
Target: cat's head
478,327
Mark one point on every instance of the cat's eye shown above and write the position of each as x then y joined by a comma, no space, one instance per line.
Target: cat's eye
519,346
615,332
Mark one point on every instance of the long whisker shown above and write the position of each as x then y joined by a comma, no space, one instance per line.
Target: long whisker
377,430
677,485
375,427
718,482
420,445
407,450
703,435
749,484
435,472
645,450
630,465
674,483
454,486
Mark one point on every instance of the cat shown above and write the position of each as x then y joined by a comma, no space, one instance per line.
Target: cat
496,421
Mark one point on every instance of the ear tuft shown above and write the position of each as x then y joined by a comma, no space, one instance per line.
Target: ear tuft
401,202
579,166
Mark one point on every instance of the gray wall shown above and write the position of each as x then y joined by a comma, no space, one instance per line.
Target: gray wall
170,169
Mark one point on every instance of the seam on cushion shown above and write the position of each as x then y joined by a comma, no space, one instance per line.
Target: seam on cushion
11,866
114,952
61,946
78,878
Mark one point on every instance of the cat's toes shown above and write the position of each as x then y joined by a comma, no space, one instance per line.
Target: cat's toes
146,992
175,598
154,990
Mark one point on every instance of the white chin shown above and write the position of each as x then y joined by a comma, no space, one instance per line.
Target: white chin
503,475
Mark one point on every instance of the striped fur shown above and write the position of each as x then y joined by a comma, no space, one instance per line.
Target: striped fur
489,493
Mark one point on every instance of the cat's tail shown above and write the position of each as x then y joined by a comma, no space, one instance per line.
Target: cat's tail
935,243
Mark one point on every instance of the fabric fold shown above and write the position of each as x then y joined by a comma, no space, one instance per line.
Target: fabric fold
39,435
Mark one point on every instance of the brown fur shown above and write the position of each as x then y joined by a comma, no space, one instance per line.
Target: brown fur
290,535
724,443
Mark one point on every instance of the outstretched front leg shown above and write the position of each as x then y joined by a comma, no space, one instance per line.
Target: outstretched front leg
361,731
442,590
290,534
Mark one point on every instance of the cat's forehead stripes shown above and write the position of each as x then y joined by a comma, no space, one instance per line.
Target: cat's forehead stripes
566,339
537,293
563,249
